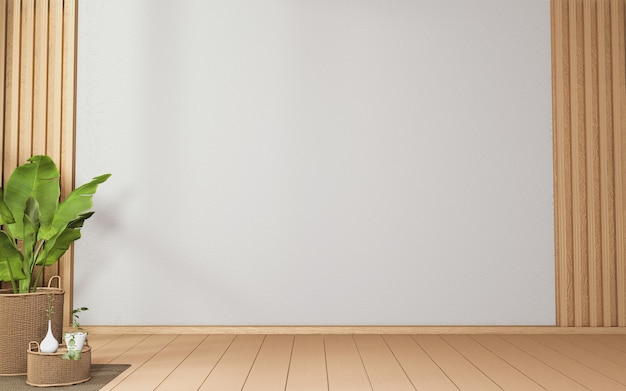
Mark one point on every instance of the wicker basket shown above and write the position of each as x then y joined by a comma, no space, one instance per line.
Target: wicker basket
23,319
49,369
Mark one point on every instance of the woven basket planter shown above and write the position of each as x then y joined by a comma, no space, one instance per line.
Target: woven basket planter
50,369
22,320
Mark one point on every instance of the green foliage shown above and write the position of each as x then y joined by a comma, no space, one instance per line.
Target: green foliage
71,354
50,307
37,228
75,317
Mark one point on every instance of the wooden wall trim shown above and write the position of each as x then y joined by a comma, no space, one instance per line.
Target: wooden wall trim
589,119
352,330
38,62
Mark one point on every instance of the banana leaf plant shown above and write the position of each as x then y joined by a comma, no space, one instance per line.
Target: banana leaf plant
37,229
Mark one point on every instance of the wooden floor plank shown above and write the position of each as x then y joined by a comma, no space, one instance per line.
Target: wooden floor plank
383,370
601,349
499,371
194,370
115,348
99,340
421,370
270,369
231,371
307,371
588,358
541,373
364,362
615,341
344,366
159,366
461,371
138,356
564,364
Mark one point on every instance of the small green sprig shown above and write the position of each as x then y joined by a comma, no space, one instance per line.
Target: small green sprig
75,317
50,307
74,354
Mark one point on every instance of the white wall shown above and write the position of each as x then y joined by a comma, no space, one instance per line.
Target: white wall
376,162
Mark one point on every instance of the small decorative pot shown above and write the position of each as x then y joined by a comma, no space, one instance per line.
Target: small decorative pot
49,344
75,340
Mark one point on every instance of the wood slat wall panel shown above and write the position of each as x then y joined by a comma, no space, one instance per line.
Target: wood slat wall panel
588,118
38,99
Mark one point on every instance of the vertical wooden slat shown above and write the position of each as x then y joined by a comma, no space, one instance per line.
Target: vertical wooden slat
12,89
619,97
27,53
3,51
593,164
562,163
40,77
579,180
55,73
66,162
606,163
54,91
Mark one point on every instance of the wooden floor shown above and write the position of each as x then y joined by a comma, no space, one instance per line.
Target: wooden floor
364,362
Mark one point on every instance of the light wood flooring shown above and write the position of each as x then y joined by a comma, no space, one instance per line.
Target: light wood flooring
364,362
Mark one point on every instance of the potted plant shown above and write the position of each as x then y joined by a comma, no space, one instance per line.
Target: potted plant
37,229
75,340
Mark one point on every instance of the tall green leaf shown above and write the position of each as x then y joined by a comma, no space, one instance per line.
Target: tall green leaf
37,179
77,202
31,227
10,260
6,217
58,244
61,244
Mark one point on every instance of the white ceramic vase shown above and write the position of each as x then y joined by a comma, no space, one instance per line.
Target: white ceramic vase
49,344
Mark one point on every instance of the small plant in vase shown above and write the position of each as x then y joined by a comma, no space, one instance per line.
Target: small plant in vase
49,344
75,340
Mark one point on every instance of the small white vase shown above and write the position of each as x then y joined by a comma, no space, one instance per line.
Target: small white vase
49,344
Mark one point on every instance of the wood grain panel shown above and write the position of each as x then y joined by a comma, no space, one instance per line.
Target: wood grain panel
38,99
502,373
464,374
307,371
345,370
563,363
233,369
198,365
159,366
418,366
383,369
588,110
271,366
551,361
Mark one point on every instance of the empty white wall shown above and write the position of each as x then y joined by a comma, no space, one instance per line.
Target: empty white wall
377,162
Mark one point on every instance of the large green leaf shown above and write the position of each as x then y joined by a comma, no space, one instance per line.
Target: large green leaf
37,179
10,260
31,227
77,202
55,250
6,217
58,244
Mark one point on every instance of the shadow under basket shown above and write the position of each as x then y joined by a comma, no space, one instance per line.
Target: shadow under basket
50,370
